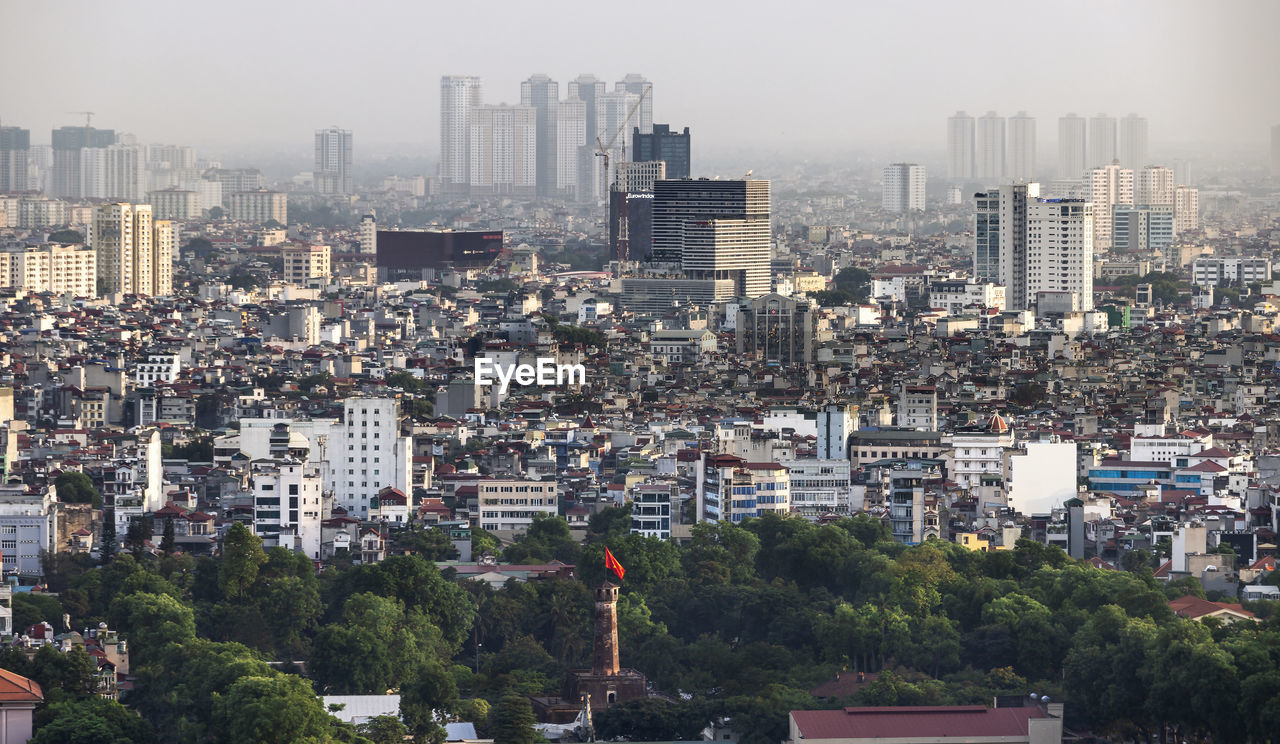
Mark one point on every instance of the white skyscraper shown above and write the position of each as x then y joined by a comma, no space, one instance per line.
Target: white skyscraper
1060,249
1154,186
504,150
960,147
458,95
633,83
903,187
1071,146
542,94
370,453
1000,239
112,172
1022,147
571,140
989,157
613,126
588,89
369,234
1102,141
1133,141
332,173
1108,187
1186,209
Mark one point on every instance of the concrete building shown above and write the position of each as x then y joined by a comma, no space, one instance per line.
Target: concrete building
960,147
637,84
259,206
116,171
587,89
68,142
1042,474
613,125
1153,186
369,234
730,489
820,487
918,407
376,455
15,149
503,150
509,506
1072,151
176,204
903,187
778,329
571,141
989,155
1141,229
1133,142
1109,186
1022,147
459,94
288,504
654,508
59,269
332,173
1102,141
1218,272
1186,209
955,296
542,94
1059,249
970,724
1000,239
28,527
134,253
158,368
303,263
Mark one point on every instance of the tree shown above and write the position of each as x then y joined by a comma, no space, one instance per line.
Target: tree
135,540
383,730
29,609
279,709
167,541
108,544
242,556
217,213
76,488
432,690
512,719
66,236
93,720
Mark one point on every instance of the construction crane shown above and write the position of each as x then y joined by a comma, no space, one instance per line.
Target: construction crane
622,249
88,118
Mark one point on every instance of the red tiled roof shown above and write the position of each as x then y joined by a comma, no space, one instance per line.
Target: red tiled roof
915,722
1192,607
14,688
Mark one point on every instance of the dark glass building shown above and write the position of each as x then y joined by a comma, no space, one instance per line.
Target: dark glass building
663,144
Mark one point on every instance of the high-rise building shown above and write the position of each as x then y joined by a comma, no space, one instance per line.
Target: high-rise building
15,148
304,262
504,150
637,84
232,181
64,181
113,172
369,234
634,188
332,173
1275,150
989,157
1182,172
1022,147
259,206
960,147
571,142
782,330
369,454
175,204
1060,249
665,145
458,95
903,187
1154,186
53,267
1071,146
1186,209
1108,186
612,110
1000,239
588,89
1142,228
1133,141
1102,141
134,253
542,94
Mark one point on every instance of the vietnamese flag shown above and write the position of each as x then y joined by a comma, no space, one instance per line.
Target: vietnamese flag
612,564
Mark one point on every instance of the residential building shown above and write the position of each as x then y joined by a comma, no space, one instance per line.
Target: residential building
1000,239
19,698
1218,272
1133,142
68,142
1059,249
1153,185
1186,209
955,296
288,504
15,149
116,172
989,155
51,267
176,204
903,187
1109,186
637,85
613,126
918,407
303,262
158,368
333,172
503,150
676,346
377,455
28,527
1102,141
259,206
654,508
663,144
542,94
369,234
820,487
1142,229
510,505
587,89
835,423
777,329
233,181
571,150
459,94
1072,151
134,253
960,147
730,489
1022,147
1126,476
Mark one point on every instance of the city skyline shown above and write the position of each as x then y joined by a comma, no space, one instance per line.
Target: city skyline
398,112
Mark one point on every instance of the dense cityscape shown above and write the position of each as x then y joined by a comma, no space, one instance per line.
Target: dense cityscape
573,424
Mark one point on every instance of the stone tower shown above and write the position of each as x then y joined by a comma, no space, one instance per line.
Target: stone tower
605,648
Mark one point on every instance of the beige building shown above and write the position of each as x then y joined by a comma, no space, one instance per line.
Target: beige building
304,262
60,269
176,204
259,206
511,505
1108,186
1186,209
134,252
503,150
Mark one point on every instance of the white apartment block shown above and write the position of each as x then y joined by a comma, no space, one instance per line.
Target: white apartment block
918,408
1022,147
58,269
259,206
819,487
1186,209
633,177
458,95
1108,186
1215,272
955,296
1154,186
28,528
571,139
159,368
989,153
134,253
652,507
176,204
903,187
288,504
1060,248
511,505
368,234
375,455
503,149
305,262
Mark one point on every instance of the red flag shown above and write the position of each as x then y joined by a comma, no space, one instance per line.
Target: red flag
612,564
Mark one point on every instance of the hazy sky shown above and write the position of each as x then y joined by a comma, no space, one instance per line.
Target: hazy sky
843,75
